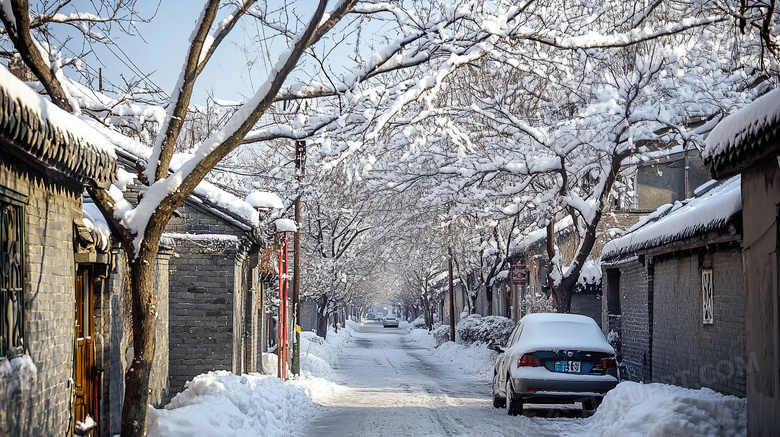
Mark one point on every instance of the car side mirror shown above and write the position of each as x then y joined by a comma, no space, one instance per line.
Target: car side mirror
495,347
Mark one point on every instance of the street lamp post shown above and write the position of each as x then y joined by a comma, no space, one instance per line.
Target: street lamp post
283,226
264,202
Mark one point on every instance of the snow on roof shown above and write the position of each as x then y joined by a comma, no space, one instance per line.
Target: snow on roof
714,205
744,133
590,273
47,110
205,190
51,136
285,225
540,234
264,200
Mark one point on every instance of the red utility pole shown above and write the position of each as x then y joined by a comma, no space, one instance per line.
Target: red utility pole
281,349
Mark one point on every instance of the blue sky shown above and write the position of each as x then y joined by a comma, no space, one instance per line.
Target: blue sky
163,47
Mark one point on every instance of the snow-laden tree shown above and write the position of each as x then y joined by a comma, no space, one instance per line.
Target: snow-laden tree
546,133
337,247
420,45
423,275
295,35
480,248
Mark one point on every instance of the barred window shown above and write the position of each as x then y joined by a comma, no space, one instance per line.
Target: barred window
707,298
11,274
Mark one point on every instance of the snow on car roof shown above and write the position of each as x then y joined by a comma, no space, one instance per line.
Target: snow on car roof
554,331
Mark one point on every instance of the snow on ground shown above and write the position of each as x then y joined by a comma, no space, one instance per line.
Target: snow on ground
476,360
631,409
642,410
222,404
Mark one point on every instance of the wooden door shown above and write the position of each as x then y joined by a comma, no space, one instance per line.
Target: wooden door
85,353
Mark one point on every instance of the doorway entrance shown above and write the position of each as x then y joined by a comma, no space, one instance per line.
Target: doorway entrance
86,394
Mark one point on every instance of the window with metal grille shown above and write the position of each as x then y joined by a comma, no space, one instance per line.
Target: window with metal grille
11,274
707,298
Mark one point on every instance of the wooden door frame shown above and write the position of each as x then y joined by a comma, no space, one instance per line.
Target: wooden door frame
84,348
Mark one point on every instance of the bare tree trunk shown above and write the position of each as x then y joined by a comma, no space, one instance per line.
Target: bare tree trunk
489,298
322,316
144,307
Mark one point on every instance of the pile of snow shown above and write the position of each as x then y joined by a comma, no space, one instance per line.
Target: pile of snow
220,403
634,409
476,359
317,353
418,323
423,338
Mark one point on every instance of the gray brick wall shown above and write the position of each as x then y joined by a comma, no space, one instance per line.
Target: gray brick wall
201,313
587,304
635,321
212,297
687,352
43,408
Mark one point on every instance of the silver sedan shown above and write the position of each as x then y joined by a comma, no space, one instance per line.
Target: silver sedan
554,358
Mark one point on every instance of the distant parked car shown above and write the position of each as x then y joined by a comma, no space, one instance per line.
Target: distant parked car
370,316
390,321
553,358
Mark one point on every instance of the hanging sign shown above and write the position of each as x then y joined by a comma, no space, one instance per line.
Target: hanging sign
519,272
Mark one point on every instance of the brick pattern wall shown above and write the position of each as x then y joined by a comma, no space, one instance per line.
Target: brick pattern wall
43,407
587,304
201,313
635,321
207,301
687,352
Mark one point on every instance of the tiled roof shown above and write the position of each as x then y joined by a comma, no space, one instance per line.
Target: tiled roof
28,135
744,137
713,207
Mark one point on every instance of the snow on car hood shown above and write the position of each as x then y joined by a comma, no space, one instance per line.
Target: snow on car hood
553,332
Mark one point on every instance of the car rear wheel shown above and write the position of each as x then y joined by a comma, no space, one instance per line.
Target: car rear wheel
514,404
498,402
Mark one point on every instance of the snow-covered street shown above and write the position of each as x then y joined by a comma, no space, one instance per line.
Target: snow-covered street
371,381
389,385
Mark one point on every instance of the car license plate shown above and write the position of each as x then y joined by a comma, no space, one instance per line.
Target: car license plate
568,366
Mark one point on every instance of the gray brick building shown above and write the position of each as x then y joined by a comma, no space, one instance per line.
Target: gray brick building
675,295
215,319
748,143
65,317
44,167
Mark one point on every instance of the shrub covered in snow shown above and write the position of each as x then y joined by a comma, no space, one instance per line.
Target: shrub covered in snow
489,329
418,323
441,334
